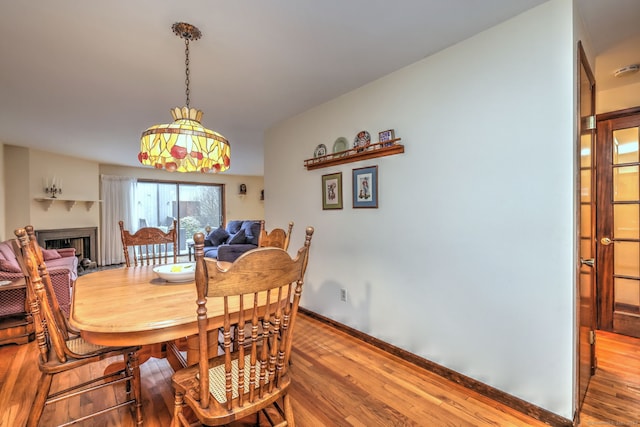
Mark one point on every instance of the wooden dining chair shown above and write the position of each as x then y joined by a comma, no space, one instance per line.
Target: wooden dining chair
277,238
62,350
60,315
263,288
149,245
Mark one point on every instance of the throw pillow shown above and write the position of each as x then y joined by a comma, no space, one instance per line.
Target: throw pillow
49,254
234,226
238,238
251,231
216,237
8,266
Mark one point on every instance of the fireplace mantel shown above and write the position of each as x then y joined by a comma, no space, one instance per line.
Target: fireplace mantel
70,203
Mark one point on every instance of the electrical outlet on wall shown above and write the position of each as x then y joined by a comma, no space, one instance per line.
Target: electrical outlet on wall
343,295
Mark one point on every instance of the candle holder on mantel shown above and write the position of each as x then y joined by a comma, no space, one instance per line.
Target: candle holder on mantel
52,190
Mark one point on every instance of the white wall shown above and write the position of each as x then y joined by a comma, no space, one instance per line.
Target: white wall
25,172
618,98
80,181
3,184
468,261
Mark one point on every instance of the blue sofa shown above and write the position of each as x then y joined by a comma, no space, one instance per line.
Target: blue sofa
228,243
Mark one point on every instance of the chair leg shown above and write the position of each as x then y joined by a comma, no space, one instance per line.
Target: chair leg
134,366
44,385
288,411
177,409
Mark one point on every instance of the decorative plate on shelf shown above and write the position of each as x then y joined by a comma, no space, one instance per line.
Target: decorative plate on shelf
362,140
341,144
182,272
321,150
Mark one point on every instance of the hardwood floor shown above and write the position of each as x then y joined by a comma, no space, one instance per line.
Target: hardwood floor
613,396
341,381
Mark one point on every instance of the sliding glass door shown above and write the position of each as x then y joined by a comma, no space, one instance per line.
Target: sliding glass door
196,207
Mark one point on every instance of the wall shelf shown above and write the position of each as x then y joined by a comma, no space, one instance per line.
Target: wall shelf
379,149
48,201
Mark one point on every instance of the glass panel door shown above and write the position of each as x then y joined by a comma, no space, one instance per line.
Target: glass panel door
626,200
619,222
196,207
154,204
585,310
199,209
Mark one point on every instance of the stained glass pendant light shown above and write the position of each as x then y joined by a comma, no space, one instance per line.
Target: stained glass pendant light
185,145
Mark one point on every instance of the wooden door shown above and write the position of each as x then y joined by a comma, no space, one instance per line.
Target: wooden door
586,229
618,229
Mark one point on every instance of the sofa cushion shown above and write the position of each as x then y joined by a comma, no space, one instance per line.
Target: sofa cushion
230,253
68,263
9,266
234,226
6,251
238,239
216,237
49,254
251,231
211,251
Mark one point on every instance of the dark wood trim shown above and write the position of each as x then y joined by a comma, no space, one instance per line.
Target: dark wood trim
627,308
617,114
470,383
604,213
626,324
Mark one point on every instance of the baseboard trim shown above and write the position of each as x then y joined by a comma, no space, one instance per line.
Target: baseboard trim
516,403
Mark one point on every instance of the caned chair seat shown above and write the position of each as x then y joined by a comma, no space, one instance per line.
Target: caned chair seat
263,287
217,378
81,347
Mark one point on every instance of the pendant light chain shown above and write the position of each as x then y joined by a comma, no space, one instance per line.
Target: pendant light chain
185,145
186,63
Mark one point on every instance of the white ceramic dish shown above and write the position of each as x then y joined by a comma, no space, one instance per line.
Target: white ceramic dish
321,150
181,272
341,144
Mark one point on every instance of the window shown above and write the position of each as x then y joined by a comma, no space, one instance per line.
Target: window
195,206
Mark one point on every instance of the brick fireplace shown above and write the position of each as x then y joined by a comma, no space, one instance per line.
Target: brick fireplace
84,240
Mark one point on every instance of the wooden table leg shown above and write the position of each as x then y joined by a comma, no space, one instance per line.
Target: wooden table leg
145,353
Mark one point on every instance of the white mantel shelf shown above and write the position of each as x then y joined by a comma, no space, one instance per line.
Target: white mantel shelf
48,201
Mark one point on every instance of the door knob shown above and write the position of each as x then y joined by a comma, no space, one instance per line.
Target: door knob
606,241
591,262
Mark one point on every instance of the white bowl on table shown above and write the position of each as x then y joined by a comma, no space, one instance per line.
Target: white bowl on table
181,272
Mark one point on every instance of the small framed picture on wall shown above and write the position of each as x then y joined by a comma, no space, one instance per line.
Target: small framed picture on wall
365,187
332,191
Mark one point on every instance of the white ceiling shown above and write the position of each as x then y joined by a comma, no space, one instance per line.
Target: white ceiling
85,78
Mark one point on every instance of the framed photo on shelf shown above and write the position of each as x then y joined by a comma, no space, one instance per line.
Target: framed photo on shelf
365,187
332,191
386,136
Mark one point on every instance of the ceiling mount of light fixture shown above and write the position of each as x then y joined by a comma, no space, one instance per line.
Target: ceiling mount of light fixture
185,145
186,31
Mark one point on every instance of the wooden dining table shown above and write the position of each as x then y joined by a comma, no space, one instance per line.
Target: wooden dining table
133,306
